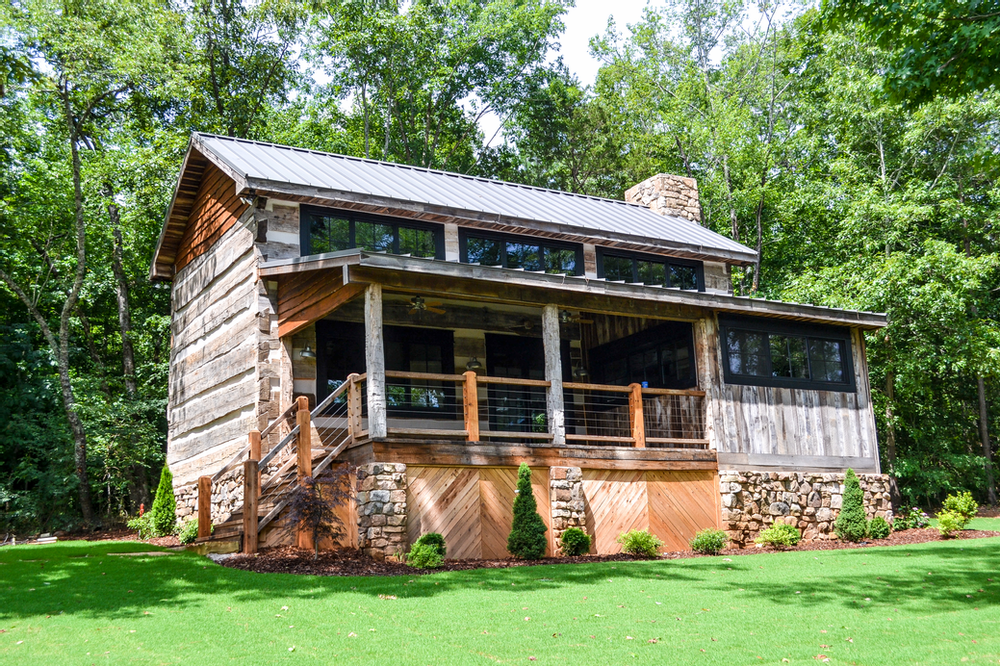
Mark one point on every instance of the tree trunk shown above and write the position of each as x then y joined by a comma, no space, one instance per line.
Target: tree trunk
984,434
890,444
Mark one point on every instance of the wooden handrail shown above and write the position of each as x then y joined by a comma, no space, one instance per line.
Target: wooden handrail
284,415
514,381
431,376
609,388
695,393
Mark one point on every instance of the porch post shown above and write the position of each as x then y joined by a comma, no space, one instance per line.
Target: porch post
375,361
553,374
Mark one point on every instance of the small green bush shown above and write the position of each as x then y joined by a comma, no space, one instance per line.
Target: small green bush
779,535
143,525
950,522
878,528
424,556
963,505
435,540
709,541
851,523
914,518
189,531
164,512
639,542
575,542
527,533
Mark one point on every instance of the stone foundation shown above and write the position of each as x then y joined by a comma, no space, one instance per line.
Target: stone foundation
566,500
381,502
227,494
753,501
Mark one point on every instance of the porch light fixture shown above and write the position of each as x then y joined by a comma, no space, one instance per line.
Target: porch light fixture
474,364
307,353
580,372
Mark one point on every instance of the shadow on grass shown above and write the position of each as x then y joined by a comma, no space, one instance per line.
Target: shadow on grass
81,578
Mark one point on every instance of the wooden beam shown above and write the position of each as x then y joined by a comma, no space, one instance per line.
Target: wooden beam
635,417
204,507
555,410
375,361
251,495
470,406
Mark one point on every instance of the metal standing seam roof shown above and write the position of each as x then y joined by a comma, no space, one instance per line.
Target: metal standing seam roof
272,163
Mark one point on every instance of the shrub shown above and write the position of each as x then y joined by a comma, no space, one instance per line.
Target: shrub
914,518
143,525
575,542
851,524
709,541
164,512
639,542
527,533
424,556
435,540
313,504
878,528
962,505
779,535
950,522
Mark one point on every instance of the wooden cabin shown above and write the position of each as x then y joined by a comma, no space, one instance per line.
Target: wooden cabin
436,330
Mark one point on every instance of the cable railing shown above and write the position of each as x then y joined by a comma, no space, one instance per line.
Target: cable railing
597,414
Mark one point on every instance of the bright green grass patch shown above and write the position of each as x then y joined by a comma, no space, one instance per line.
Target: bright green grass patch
72,603
988,524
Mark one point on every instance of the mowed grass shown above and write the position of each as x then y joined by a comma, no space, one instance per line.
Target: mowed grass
937,603
987,524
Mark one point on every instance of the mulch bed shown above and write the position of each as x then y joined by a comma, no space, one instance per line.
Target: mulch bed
347,562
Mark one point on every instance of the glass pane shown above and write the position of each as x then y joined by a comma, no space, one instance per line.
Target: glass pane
417,242
328,234
483,251
683,277
788,357
826,360
522,255
746,353
616,372
374,237
560,260
652,272
617,268
319,238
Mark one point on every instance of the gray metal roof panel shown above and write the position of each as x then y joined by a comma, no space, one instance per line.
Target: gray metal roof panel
296,166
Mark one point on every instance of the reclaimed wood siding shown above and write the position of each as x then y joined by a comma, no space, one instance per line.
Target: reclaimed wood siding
213,382
217,208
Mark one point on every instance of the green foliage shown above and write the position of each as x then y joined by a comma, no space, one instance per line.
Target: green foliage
640,543
709,541
164,512
527,532
851,523
879,528
314,501
779,535
963,505
575,542
188,532
144,526
909,519
434,540
424,556
950,522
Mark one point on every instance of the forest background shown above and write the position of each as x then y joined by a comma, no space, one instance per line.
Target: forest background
855,146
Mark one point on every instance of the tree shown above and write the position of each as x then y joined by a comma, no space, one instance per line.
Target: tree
851,523
314,502
165,505
527,532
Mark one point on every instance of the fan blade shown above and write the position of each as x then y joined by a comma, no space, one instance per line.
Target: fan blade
434,310
585,321
414,310
436,304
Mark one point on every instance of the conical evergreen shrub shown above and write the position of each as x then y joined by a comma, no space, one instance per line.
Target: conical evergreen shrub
527,533
165,505
851,524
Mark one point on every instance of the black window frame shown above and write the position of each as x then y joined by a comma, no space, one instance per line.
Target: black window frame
503,239
306,213
636,257
788,329
651,339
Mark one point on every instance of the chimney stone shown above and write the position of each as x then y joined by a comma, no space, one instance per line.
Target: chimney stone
666,194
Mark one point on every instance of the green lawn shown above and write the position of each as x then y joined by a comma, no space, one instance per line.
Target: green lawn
72,603
990,524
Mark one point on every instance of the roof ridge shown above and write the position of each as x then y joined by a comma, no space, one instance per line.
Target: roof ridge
452,174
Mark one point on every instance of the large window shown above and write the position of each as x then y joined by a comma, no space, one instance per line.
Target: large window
768,353
329,230
650,269
521,252
661,357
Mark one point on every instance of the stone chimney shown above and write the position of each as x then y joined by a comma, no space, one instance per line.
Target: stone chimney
668,195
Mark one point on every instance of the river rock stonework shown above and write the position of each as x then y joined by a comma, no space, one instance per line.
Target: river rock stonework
381,502
753,501
566,499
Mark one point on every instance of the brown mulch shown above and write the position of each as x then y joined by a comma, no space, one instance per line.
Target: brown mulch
348,562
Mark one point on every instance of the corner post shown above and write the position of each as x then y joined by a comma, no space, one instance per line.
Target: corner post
204,507
303,420
254,438
638,425
470,406
251,495
353,406
553,374
375,362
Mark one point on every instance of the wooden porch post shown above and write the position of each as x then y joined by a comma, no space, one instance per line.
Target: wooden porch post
353,407
375,361
303,461
251,495
553,374
638,425
470,406
254,438
204,507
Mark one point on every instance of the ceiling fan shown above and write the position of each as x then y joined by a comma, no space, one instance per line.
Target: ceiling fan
418,304
567,317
